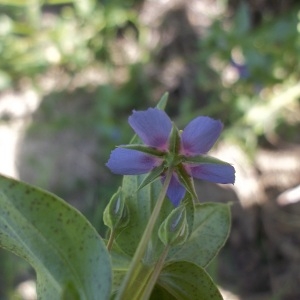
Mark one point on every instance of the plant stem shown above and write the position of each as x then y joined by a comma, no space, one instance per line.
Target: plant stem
155,273
110,240
127,288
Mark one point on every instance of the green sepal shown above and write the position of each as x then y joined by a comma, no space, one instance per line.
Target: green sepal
163,101
152,176
174,140
186,180
174,230
144,149
203,159
116,215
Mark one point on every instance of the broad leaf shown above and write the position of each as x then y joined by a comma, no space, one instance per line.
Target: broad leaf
65,250
183,280
210,231
120,265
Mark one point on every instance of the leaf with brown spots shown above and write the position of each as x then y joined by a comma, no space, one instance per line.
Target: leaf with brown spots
183,280
61,245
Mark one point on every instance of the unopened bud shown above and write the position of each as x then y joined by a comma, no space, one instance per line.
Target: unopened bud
174,230
116,215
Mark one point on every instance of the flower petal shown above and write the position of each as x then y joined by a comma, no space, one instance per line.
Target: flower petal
200,135
176,190
218,173
131,162
153,126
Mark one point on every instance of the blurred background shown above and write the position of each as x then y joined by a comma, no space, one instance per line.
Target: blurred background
71,72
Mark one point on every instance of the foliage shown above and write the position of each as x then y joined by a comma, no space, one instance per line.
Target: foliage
36,36
65,251
43,230
143,251
258,87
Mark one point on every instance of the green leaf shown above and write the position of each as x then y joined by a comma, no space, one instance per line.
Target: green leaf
70,292
163,101
210,231
120,262
186,281
61,245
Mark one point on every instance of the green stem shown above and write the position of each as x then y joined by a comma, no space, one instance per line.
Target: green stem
128,288
110,240
157,269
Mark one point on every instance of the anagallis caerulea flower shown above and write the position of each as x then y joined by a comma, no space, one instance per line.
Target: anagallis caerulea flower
185,152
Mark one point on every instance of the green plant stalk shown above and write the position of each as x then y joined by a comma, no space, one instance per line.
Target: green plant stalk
128,289
143,275
110,240
157,269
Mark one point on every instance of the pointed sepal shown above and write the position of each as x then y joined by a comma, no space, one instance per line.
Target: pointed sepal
186,180
152,176
174,140
203,159
144,149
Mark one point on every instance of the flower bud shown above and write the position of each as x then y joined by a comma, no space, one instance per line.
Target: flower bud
116,215
174,230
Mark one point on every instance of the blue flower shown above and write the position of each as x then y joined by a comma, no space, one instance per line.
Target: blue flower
188,157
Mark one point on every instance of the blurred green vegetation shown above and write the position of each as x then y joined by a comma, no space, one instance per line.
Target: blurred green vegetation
242,69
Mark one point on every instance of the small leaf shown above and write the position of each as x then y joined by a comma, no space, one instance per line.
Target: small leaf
210,231
163,101
187,281
61,245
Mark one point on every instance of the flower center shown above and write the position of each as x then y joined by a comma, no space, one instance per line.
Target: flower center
173,160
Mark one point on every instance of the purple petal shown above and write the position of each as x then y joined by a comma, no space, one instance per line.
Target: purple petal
176,190
200,135
153,126
218,173
131,162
